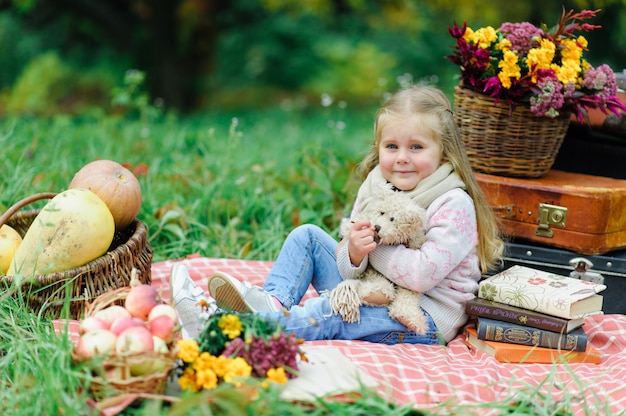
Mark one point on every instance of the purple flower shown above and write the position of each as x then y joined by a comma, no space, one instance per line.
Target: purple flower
602,80
548,98
523,36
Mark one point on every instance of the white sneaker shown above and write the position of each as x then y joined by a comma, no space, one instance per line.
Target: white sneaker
233,295
192,305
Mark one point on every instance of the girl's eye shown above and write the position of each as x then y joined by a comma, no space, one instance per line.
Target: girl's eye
416,147
392,146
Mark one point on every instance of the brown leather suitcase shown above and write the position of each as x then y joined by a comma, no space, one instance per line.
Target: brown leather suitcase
582,213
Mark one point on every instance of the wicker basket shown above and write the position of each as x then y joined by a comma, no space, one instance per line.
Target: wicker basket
49,294
499,142
112,375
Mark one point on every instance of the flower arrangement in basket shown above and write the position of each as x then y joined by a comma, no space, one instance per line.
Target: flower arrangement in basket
520,63
519,85
237,348
128,341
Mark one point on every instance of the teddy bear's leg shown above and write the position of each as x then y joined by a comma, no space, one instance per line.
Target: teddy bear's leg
345,300
375,289
405,308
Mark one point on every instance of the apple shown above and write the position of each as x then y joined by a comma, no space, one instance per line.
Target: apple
160,345
163,309
96,342
91,323
152,366
163,327
111,314
140,300
135,339
120,325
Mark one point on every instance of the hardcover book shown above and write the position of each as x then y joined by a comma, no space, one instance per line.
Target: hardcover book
526,354
492,330
508,313
541,291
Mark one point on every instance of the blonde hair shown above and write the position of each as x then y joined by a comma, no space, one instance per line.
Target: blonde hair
433,109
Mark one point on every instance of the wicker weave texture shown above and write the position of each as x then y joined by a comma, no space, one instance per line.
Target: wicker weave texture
501,142
49,294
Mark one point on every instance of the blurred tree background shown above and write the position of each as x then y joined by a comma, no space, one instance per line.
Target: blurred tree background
66,56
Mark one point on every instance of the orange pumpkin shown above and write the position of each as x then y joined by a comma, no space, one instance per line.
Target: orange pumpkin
115,185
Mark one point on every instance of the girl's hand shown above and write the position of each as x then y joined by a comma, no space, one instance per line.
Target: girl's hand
360,240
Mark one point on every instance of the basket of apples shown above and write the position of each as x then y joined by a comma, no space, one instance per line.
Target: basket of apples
127,339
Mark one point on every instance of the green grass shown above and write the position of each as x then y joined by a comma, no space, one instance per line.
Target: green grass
216,187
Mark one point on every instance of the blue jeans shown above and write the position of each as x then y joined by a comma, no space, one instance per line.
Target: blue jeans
308,258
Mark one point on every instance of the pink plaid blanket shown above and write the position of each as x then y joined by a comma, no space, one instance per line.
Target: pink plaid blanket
435,375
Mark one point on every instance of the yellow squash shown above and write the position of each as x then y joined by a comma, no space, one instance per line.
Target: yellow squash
74,228
10,240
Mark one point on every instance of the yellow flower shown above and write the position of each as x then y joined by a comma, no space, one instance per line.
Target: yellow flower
205,361
540,58
207,379
510,69
187,350
571,50
484,36
568,72
504,45
277,375
220,365
237,368
230,326
188,380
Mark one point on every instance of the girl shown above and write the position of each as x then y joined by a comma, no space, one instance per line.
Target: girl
417,150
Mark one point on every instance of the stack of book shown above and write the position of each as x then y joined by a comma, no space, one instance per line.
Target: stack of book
524,315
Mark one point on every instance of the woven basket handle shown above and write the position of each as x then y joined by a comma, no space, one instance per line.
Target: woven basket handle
22,203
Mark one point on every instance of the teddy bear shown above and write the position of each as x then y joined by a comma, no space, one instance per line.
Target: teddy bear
397,220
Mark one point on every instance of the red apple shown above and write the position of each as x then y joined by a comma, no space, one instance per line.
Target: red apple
163,327
96,342
91,323
120,325
112,313
163,309
134,340
140,300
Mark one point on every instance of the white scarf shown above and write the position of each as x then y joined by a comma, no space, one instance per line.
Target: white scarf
427,190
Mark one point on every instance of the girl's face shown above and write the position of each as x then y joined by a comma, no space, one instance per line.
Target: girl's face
408,152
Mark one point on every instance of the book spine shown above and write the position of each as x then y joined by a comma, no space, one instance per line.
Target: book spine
546,356
501,313
500,331
515,353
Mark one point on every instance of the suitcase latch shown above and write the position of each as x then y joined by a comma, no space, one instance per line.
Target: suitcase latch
550,215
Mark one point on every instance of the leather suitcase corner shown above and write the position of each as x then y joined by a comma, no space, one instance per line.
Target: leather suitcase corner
578,212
